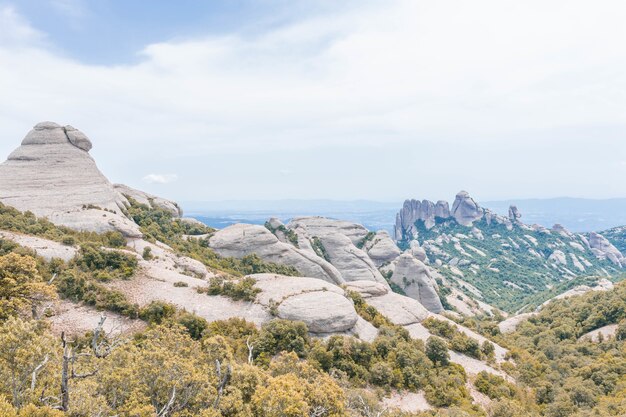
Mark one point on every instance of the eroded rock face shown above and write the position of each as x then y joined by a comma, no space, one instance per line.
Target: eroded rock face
322,306
382,249
415,279
337,241
465,210
601,247
149,200
52,175
240,240
514,214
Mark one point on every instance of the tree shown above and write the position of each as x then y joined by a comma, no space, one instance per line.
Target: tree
437,350
25,354
21,286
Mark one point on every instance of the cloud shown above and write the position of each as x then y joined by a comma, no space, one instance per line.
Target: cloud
160,178
15,30
484,81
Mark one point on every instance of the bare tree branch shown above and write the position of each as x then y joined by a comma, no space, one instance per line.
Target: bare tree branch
166,409
36,371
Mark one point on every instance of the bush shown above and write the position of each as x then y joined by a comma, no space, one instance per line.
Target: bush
282,335
239,290
68,240
437,350
494,386
180,284
118,264
157,312
195,325
147,253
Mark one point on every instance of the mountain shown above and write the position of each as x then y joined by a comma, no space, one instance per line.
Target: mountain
138,250
499,259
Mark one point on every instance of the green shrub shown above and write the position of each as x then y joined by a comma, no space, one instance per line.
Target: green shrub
147,253
180,284
494,386
157,312
437,350
68,240
238,290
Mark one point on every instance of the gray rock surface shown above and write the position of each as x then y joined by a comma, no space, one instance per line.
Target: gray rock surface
338,239
514,214
321,305
603,248
52,175
465,210
240,240
149,199
415,279
382,249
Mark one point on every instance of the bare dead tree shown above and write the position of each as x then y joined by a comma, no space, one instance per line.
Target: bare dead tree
38,368
167,407
222,381
318,411
250,350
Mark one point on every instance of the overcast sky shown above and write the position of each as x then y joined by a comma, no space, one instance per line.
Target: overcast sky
380,100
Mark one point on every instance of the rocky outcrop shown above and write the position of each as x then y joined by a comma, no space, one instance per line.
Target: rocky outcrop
603,249
415,279
514,214
381,248
465,210
149,199
336,241
52,175
240,240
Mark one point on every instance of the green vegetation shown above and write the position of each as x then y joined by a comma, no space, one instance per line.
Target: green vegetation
289,234
159,224
319,248
456,340
509,267
239,290
13,220
368,237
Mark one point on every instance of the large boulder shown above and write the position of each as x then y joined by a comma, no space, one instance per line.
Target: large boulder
415,279
321,305
381,248
149,200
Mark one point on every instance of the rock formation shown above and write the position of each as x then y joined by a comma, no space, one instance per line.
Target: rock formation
337,241
602,248
240,240
381,248
465,210
415,279
52,175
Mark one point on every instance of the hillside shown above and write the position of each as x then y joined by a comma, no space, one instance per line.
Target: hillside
121,306
499,259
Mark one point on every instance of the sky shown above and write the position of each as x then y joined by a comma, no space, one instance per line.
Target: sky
377,100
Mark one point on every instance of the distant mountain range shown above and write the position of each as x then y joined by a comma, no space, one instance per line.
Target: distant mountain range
576,214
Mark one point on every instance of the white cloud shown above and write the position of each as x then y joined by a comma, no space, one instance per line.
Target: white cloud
160,178
495,78
15,30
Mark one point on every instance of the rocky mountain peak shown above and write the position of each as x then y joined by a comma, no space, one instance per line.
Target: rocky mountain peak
50,133
52,175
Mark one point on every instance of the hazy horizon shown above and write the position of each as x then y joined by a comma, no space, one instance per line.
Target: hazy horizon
349,100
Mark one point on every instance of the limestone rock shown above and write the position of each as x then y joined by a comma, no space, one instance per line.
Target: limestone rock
45,248
514,214
367,289
240,240
415,279
52,175
321,305
417,251
323,312
337,239
603,248
149,199
382,249
465,210
558,257
78,138
399,309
